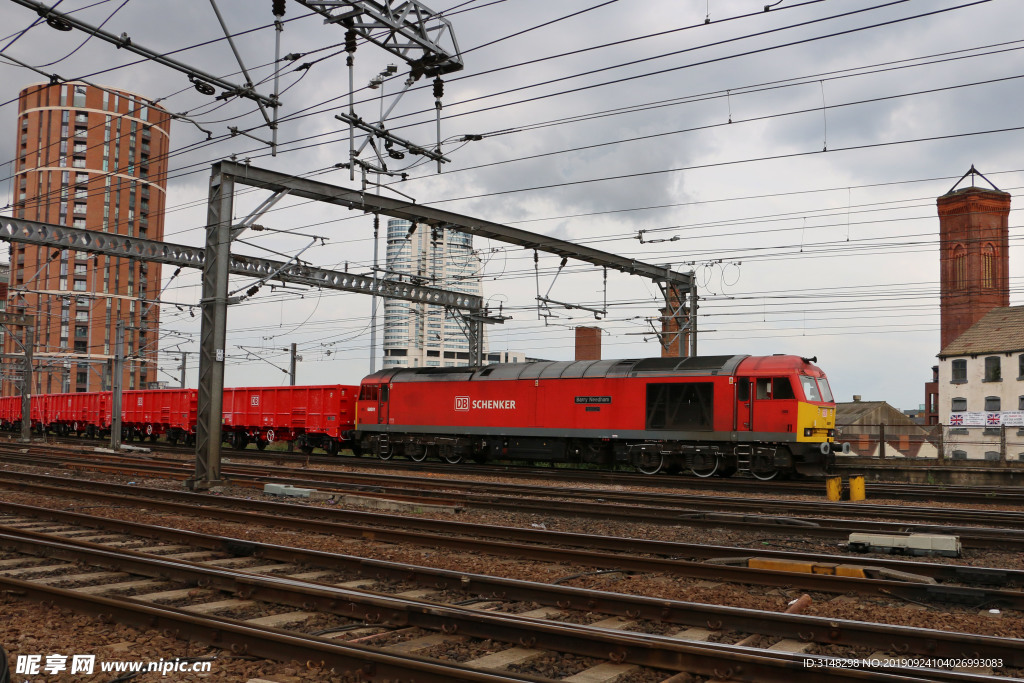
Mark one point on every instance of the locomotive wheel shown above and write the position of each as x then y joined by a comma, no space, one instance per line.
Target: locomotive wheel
417,455
649,464
763,467
704,470
453,458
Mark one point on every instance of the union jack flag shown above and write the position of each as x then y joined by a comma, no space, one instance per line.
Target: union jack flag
956,419
993,419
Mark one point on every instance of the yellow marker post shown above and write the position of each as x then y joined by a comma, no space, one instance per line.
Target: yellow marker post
834,488
857,489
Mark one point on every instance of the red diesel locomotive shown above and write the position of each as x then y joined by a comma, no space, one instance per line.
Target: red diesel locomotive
712,415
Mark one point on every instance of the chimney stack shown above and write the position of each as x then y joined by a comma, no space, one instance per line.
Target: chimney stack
588,343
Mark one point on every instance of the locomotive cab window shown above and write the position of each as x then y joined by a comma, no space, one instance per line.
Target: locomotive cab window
742,389
810,388
783,388
680,406
826,390
384,393
764,388
368,392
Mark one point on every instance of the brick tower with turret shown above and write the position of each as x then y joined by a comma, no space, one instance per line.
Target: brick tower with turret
974,255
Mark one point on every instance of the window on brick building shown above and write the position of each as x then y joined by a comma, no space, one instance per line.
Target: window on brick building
988,266
1020,366
959,267
959,371
993,369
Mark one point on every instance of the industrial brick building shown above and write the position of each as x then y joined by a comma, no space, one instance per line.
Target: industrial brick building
977,389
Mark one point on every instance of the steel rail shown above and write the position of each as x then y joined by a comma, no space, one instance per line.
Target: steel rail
269,643
822,527
641,649
954,573
996,495
627,503
846,632
696,570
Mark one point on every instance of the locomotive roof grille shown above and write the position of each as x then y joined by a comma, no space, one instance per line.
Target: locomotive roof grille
646,367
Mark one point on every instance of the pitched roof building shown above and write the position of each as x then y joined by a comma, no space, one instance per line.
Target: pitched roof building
981,387
868,424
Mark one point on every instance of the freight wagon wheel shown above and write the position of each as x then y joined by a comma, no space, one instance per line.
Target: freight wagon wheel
705,466
332,447
261,444
649,463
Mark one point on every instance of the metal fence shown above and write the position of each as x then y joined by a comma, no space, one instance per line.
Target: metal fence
938,442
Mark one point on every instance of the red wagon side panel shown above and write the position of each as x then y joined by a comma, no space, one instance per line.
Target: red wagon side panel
154,411
327,410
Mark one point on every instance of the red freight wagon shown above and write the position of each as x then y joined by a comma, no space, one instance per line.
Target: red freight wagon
149,413
316,416
10,412
712,414
76,413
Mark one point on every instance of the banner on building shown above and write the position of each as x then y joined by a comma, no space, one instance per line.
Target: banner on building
1008,418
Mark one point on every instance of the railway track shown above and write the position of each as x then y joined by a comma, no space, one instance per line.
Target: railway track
655,508
626,554
155,585
910,492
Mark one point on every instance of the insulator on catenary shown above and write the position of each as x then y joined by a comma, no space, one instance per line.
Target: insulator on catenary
350,41
438,87
278,7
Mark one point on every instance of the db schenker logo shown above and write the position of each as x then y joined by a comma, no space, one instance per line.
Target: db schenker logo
462,403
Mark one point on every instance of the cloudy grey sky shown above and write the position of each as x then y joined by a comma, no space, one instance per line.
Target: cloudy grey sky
791,158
